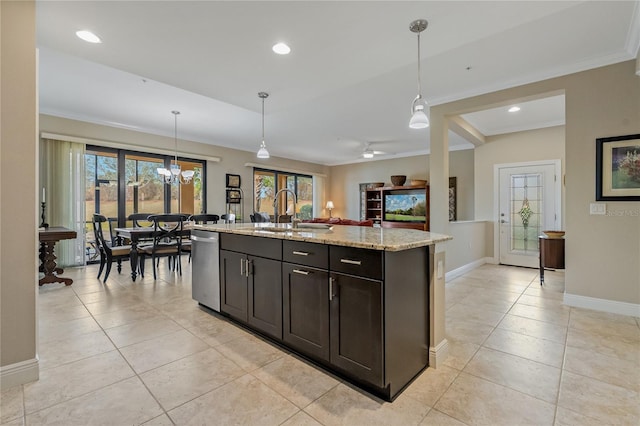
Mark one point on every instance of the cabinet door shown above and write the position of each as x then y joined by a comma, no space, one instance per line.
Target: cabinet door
306,309
356,327
265,295
233,284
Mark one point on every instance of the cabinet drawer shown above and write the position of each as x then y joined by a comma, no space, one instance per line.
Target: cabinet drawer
356,261
308,254
269,248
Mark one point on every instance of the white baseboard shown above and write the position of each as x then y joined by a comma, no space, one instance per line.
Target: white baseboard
452,275
612,306
19,373
438,354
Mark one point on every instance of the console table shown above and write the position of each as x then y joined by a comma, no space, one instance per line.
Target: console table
48,239
551,254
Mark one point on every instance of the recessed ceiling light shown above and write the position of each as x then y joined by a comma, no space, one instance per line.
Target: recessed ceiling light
88,36
514,109
281,49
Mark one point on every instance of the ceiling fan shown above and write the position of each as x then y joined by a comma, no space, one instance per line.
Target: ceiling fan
368,151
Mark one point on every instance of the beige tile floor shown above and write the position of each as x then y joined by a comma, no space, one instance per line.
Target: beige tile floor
126,353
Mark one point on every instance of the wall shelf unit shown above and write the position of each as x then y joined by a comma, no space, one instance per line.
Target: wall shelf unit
398,207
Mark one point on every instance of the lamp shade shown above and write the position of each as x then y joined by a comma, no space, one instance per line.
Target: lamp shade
329,205
419,120
262,152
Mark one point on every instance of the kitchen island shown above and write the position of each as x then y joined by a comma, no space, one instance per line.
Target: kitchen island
354,300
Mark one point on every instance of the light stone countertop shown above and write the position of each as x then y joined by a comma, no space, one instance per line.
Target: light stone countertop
388,239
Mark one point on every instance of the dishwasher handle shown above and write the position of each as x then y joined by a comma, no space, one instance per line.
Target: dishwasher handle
204,240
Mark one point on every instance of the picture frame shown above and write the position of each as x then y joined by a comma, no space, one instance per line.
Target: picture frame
453,199
618,168
233,196
233,181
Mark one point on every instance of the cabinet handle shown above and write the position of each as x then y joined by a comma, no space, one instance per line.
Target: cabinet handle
242,268
351,262
301,272
249,268
331,279
301,253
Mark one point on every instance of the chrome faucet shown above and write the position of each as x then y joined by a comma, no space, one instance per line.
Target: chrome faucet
294,220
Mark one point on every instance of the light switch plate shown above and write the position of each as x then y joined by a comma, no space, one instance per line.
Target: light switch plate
598,208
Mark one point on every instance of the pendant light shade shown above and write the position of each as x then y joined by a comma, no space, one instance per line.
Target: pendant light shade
262,152
419,119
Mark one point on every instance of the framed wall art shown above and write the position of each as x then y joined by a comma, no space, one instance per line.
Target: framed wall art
233,181
233,196
618,168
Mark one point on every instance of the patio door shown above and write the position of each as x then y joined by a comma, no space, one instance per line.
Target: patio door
529,202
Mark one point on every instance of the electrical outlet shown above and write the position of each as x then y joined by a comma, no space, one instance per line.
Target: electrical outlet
440,273
597,208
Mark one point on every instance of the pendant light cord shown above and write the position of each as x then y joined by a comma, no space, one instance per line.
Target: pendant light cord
419,85
263,121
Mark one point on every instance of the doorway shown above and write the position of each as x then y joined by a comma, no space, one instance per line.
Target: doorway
529,202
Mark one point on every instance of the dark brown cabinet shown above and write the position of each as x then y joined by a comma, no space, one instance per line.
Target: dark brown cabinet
251,286
356,327
362,313
306,309
380,202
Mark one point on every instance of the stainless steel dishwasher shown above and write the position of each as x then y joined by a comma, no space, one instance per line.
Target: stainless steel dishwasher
205,269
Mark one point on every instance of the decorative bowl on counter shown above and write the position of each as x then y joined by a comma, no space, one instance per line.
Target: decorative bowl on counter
417,182
398,180
554,234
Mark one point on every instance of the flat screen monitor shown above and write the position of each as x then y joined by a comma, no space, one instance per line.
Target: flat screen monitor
405,206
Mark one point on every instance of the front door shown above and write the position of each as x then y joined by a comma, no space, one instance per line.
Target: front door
529,203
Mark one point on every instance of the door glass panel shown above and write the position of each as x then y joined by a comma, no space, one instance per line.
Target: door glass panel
305,197
264,191
101,195
190,195
526,211
144,189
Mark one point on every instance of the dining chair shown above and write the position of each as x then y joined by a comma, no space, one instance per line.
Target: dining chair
108,253
228,218
261,217
204,218
167,241
140,220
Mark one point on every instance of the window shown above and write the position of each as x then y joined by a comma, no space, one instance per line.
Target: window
121,182
266,183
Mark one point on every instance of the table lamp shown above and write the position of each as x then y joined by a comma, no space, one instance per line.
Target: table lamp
330,207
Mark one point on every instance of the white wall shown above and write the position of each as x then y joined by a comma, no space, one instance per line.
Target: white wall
532,145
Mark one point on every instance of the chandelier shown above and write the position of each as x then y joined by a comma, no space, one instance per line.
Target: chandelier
174,174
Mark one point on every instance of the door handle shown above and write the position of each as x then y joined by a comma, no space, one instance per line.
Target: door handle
351,262
301,272
504,221
301,253
249,268
242,268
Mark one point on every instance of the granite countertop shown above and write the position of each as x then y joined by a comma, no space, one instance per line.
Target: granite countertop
388,239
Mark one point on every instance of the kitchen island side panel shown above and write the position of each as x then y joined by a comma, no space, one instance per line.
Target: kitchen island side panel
406,295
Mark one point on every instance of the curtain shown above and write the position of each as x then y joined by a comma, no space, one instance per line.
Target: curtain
319,198
63,178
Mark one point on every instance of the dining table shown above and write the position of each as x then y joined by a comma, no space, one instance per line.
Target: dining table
48,237
138,235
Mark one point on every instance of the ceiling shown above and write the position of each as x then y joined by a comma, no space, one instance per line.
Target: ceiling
350,78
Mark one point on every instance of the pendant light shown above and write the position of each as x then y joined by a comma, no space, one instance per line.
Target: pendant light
419,119
262,152
174,174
